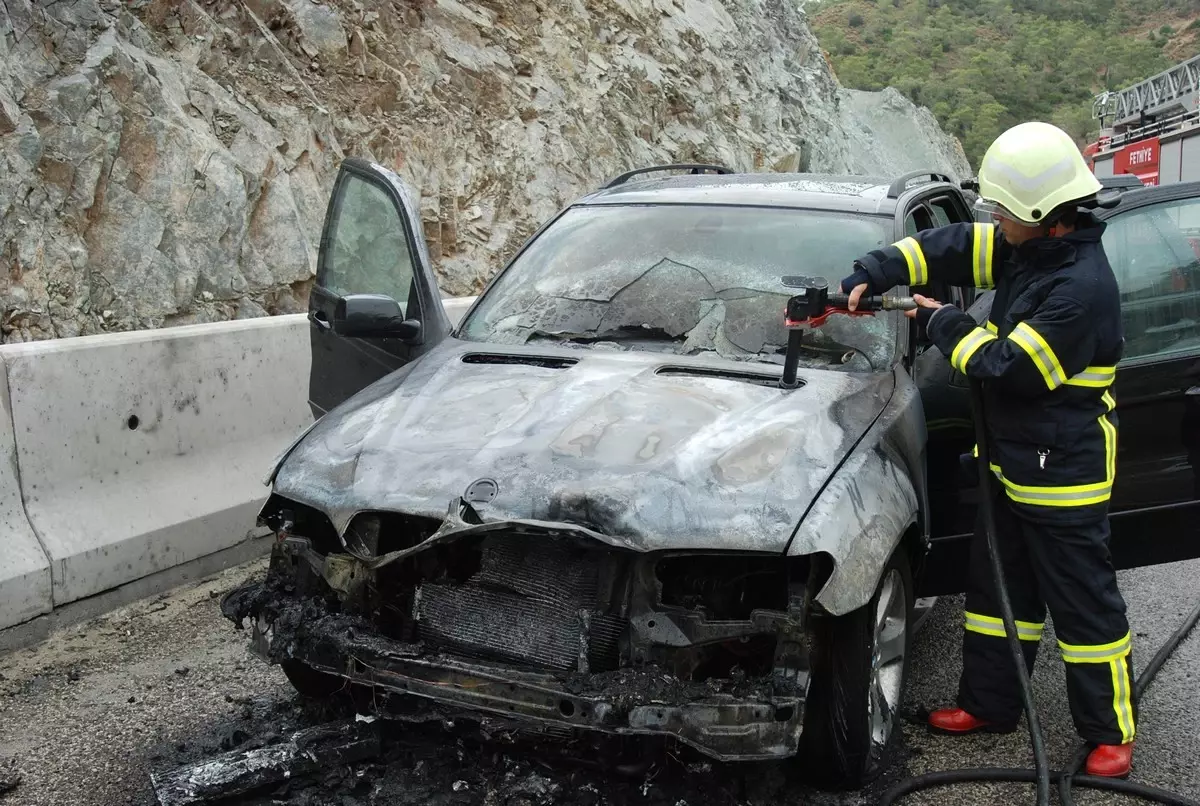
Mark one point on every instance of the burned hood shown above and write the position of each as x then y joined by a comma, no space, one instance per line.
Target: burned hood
657,451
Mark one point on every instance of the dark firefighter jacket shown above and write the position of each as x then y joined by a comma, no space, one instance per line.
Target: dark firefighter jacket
1047,355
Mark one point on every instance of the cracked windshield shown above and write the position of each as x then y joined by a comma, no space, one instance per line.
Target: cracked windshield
686,280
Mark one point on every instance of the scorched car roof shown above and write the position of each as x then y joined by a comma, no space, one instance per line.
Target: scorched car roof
851,194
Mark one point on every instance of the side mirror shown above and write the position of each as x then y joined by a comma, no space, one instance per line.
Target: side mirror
373,316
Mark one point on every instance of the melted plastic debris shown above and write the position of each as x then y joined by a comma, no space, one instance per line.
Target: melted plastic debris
241,772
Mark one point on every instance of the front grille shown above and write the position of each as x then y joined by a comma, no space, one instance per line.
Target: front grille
533,603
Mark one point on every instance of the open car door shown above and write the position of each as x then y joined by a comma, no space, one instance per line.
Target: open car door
1151,245
375,305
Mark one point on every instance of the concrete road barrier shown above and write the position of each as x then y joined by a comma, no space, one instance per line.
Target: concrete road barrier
138,452
456,307
24,566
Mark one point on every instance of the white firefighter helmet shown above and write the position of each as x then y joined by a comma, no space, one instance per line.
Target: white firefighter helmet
1030,170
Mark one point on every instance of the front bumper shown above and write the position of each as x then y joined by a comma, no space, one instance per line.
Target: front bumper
726,721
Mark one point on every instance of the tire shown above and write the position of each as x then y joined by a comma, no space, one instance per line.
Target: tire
842,746
310,683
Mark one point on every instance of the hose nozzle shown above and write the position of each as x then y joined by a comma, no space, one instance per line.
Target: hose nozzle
891,302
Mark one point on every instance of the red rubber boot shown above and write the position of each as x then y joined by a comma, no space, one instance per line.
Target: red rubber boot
1110,760
956,720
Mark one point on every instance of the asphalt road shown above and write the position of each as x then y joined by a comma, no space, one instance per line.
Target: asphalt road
1167,753
85,715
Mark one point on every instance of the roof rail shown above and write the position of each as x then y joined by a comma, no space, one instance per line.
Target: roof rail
901,183
1120,182
694,168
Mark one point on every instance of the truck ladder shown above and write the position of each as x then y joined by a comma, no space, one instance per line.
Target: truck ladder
1171,92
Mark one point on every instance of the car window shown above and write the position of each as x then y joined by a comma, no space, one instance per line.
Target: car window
941,216
368,252
685,279
910,224
926,217
1155,254
918,219
945,211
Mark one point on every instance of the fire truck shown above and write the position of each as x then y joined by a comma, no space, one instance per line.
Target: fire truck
1149,130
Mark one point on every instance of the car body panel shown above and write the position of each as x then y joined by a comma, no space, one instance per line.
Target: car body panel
830,192
688,459
874,499
852,194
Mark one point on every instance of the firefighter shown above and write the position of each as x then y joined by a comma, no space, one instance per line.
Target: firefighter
1047,359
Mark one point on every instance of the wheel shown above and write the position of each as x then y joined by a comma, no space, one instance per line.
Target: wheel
308,682
858,667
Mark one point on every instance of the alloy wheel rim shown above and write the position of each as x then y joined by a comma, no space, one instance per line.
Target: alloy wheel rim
887,660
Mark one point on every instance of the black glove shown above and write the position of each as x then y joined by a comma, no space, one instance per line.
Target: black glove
869,270
859,277
924,315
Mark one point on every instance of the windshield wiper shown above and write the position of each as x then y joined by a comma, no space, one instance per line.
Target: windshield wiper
628,333
833,352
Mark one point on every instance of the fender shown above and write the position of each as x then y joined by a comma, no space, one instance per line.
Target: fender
869,504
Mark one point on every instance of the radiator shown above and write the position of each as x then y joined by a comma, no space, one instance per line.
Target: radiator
532,603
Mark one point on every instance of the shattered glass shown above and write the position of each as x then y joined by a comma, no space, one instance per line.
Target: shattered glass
686,280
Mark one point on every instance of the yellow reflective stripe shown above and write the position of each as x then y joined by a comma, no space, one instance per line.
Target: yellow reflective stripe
1043,357
1074,488
990,625
991,326
967,346
1094,376
982,263
1110,447
1096,653
1075,495
1122,703
918,271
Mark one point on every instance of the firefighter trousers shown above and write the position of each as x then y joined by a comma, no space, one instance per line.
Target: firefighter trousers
1065,568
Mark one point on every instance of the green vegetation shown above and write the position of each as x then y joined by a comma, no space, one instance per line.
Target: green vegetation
984,65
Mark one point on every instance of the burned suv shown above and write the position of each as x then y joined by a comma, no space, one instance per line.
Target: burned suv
590,506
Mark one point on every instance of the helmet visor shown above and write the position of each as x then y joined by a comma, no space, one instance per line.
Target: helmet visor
996,210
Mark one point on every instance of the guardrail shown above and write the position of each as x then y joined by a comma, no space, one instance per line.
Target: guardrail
128,454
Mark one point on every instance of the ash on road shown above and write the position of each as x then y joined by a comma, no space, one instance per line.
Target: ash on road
86,715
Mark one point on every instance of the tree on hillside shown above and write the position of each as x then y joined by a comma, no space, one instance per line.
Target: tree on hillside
984,65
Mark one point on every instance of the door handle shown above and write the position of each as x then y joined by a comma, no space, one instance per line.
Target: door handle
319,319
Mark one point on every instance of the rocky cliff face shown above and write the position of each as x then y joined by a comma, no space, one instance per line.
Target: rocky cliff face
167,161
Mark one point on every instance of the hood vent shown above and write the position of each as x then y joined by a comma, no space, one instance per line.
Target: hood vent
724,374
545,361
